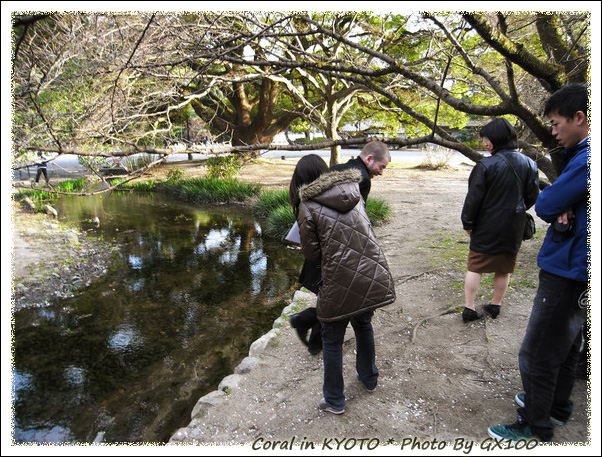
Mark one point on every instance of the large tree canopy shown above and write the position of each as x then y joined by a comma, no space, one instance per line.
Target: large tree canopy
118,84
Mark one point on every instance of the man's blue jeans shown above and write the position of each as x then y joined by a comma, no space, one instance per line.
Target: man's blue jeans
333,335
550,350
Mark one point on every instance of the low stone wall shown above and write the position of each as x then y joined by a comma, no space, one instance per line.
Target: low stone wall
232,382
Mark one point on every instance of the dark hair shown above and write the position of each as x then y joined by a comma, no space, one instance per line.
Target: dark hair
308,169
501,134
568,100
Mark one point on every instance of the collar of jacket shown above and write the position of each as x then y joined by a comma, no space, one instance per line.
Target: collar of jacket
569,152
327,181
362,164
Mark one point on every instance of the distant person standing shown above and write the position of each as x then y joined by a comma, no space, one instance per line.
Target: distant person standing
549,353
501,188
42,168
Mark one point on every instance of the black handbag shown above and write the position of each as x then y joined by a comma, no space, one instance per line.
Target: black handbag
529,229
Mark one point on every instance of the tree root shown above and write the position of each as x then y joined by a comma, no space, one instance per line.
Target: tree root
422,321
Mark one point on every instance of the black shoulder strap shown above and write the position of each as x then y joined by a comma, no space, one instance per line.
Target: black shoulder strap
512,168
518,180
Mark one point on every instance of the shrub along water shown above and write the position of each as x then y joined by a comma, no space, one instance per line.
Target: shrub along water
280,221
269,201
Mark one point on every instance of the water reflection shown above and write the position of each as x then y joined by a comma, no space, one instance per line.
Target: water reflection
127,360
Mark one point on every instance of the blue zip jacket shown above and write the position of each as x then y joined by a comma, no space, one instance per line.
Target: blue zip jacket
562,255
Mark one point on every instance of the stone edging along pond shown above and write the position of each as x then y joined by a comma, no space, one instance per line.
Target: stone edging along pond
231,382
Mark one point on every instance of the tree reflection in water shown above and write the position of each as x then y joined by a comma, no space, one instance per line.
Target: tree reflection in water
127,359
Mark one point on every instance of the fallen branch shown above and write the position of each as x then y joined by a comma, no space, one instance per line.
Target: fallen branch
416,276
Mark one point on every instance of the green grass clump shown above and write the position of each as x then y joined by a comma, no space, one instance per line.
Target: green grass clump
269,200
142,186
201,190
280,221
70,185
34,195
42,197
378,210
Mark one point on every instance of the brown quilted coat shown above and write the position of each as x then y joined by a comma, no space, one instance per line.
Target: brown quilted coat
335,229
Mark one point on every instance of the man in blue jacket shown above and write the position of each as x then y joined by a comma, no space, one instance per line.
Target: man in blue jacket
550,350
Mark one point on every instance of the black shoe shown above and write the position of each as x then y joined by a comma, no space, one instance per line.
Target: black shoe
469,315
302,330
492,310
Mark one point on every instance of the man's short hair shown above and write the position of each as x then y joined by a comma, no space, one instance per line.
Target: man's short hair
568,100
377,149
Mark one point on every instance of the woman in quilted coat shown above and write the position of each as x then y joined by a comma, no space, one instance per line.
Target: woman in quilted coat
335,229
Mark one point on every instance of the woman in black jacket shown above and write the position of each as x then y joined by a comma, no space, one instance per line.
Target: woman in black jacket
501,188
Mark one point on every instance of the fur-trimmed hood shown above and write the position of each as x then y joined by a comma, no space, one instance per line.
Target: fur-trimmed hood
338,190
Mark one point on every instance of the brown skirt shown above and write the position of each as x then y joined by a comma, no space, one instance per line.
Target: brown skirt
491,263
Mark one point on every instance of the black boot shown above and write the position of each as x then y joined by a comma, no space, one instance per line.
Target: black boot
302,322
469,315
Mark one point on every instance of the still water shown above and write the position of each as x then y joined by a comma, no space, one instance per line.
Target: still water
126,360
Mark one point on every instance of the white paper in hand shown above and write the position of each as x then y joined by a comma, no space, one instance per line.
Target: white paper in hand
293,234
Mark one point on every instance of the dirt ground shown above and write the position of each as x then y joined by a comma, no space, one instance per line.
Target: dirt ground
442,382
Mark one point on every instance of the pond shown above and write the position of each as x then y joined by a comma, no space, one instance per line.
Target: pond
126,360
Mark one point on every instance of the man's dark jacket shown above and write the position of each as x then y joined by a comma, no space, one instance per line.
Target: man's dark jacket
358,163
495,206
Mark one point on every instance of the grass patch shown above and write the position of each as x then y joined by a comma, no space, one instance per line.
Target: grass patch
201,190
269,201
280,221
71,185
378,210
141,186
42,197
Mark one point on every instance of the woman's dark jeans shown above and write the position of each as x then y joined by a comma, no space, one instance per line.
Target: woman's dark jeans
550,350
333,335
